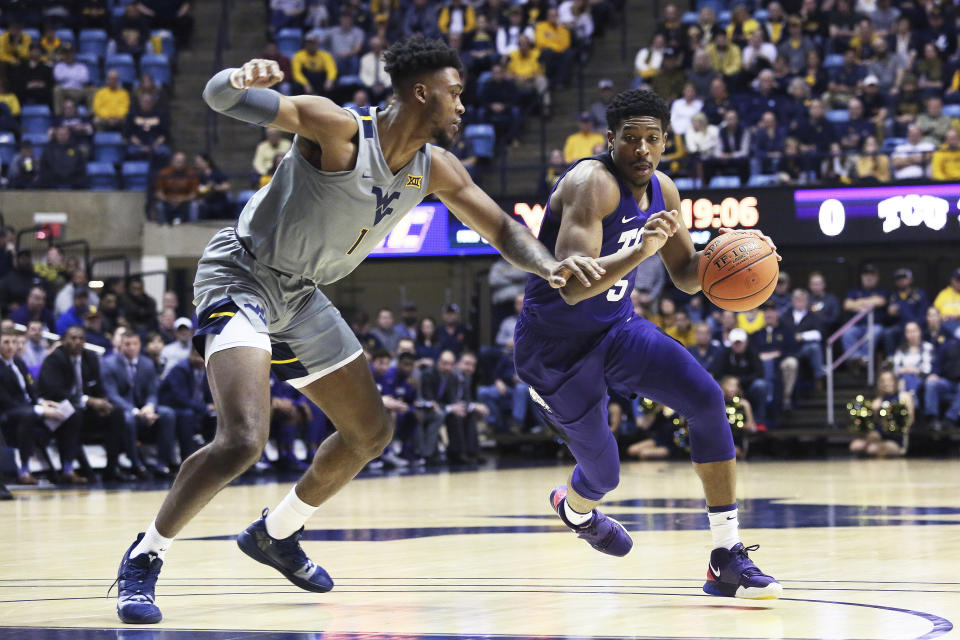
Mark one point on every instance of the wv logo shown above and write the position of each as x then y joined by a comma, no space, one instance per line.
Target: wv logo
383,204
257,310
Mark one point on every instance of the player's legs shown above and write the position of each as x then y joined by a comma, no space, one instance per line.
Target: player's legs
645,361
239,382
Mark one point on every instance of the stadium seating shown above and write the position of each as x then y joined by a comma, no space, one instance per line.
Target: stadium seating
92,41
838,115
136,176
39,141
159,67
36,118
108,146
763,180
66,36
288,41
123,63
92,63
685,184
103,176
168,45
483,138
725,182
8,147
242,198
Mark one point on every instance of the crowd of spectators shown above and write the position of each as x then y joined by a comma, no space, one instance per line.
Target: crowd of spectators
812,91
53,103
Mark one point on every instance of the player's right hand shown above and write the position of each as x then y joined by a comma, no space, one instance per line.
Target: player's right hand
659,228
257,74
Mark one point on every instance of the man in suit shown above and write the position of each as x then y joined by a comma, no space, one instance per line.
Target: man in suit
185,390
131,383
22,415
438,388
774,345
806,329
71,373
463,414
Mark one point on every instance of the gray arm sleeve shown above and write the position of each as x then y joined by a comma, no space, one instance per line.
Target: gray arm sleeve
257,106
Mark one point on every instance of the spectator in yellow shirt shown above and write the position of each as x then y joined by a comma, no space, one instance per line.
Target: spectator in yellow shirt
751,321
50,44
457,17
948,303
580,144
14,45
525,69
10,99
553,41
111,104
313,68
741,26
682,329
946,159
725,57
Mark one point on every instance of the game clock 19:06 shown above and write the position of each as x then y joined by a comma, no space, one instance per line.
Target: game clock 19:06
704,213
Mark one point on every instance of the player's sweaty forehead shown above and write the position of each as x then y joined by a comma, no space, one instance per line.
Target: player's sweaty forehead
640,124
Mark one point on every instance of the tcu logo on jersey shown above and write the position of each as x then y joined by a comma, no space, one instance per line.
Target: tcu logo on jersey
383,204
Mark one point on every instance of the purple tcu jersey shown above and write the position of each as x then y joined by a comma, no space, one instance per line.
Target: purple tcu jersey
543,307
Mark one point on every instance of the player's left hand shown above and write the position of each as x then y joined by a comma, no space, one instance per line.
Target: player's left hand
583,267
757,233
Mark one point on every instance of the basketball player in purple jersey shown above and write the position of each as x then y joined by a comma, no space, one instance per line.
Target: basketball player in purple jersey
573,343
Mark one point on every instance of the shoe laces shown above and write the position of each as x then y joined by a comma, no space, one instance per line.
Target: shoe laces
749,569
139,578
290,546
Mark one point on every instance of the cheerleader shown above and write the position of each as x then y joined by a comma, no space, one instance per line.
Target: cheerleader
893,414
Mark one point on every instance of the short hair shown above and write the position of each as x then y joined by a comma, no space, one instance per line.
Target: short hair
382,353
407,59
637,102
9,331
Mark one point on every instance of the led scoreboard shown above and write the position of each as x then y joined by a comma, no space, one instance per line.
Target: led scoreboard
838,216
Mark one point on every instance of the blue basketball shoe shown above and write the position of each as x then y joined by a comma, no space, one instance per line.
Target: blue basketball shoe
733,574
601,532
286,556
137,580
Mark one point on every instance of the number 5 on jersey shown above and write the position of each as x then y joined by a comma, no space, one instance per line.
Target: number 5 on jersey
628,239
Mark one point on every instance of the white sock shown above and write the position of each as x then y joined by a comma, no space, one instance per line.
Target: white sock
152,542
290,515
575,517
724,527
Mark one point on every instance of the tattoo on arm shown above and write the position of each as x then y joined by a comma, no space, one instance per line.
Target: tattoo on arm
523,250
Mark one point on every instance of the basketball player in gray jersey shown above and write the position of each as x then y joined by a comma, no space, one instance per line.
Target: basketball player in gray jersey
348,179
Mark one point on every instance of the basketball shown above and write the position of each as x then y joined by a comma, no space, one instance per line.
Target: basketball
738,271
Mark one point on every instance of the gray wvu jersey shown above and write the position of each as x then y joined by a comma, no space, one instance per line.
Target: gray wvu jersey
321,224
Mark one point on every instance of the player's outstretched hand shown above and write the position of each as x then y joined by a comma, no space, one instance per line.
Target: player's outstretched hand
257,74
583,267
659,228
757,233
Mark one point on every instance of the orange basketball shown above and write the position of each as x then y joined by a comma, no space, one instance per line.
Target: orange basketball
738,271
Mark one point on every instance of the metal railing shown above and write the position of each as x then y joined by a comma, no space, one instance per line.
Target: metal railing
212,130
832,365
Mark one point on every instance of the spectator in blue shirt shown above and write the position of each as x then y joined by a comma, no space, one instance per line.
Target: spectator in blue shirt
942,387
857,129
774,346
704,349
823,304
846,78
867,296
35,309
768,143
764,99
75,315
906,304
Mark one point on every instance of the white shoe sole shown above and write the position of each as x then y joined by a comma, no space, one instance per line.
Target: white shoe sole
770,592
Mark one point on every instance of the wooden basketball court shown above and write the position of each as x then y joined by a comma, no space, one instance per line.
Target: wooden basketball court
864,549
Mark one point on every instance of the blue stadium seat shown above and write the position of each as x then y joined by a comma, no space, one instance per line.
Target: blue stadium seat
136,176
725,182
66,36
890,144
92,41
35,118
684,184
288,41
838,115
951,110
108,146
761,15
833,61
8,147
39,141
763,180
723,18
123,63
349,81
483,138
34,34
690,17
103,176
242,198
158,66
92,63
